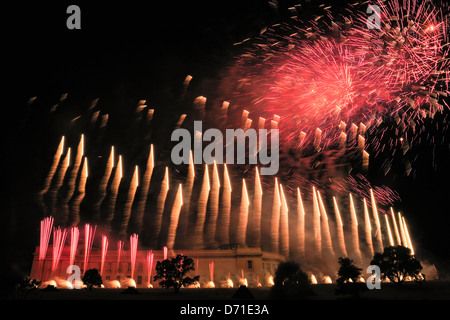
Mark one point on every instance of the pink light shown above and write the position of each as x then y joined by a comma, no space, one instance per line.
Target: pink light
46,229
74,236
133,251
165,253
59,238
150,257
89,233
104,250
211,271
119,252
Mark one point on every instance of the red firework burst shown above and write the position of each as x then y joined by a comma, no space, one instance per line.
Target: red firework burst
348,73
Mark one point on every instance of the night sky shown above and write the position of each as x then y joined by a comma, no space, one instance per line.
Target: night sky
125,52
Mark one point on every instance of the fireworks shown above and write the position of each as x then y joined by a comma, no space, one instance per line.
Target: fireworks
338,89
133,251
104,251
334,90
315,78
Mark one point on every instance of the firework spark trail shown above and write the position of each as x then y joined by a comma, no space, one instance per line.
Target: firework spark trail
44,238
211,271
104,184
368,229
150,257
402,229
165,252
211,222
355,234
59,238
240,231
407,237
223,232
202,203
284,224
388,228
376,217
325,226
104,251
160,204
120,244
359,184
129,202
300,230
89,234
316,226
59,181
74,237
199,107
186,83
174,218
254,222
275,219
184,222
46,231
114,190
340,230
71,182
81,193
145,185
134,238
394,223
53,168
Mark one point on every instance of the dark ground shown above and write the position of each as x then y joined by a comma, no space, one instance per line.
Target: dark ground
430,290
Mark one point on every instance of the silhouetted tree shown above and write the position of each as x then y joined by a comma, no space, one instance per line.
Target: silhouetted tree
347,280
347,271
290,281
397,264
92,278
173,272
